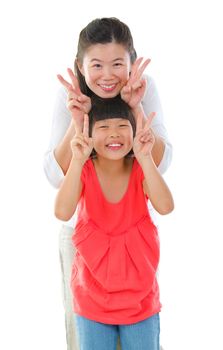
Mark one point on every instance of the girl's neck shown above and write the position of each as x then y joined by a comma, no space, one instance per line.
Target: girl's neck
111,166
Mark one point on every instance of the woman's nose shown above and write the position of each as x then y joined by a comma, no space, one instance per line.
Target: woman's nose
107,73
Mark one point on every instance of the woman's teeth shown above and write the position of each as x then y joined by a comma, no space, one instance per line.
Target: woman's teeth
108,87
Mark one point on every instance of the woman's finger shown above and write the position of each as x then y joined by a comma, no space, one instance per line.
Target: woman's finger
74,80
72,96
135,66
86,126
75,104
139,124
65,83
142,68
149,120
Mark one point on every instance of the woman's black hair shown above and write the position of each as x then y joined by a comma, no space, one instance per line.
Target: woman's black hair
102,31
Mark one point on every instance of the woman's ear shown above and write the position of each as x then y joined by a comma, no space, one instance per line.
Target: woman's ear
80,66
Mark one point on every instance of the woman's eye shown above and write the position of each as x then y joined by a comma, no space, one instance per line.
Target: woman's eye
102,126
123,125
97,65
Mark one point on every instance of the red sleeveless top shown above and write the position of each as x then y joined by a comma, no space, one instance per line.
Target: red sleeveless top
114,271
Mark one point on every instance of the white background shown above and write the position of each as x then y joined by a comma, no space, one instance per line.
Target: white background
184,41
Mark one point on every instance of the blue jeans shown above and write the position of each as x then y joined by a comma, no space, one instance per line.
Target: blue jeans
142,335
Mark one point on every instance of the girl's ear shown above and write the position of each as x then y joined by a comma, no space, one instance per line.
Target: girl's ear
80,67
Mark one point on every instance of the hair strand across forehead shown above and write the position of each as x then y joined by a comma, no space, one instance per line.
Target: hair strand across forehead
110,108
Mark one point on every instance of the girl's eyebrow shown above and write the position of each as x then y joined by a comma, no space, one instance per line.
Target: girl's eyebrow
119,120
98,60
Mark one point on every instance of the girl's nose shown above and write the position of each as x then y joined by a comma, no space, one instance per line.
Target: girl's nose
114,133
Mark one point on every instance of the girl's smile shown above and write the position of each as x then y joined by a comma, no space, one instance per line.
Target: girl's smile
112,138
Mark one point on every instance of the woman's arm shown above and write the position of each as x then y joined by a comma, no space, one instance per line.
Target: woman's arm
61,123
162,152
140,93
70,104
63,152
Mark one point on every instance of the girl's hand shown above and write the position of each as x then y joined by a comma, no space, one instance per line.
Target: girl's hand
133,92
144,139
82,144
77,103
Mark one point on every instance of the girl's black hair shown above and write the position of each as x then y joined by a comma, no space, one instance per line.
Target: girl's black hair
102,31
109,108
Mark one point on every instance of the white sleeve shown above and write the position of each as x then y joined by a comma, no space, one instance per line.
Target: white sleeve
151,103
60,124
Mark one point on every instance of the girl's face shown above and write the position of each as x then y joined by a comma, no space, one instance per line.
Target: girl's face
106,68
112,138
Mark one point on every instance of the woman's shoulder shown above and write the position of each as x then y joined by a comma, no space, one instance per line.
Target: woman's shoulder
150,83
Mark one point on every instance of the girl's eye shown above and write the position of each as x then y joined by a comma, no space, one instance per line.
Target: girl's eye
123,125
103,126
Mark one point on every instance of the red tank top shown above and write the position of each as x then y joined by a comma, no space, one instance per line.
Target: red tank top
114,271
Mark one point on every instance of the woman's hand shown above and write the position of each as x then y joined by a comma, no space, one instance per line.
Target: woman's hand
82,144
133,92
144,139
77,103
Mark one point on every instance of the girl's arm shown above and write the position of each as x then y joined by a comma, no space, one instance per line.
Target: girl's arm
154,184
156,188
159,144
71,188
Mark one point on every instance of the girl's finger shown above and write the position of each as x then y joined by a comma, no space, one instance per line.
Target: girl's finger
80,142
74,80
65,83
86,126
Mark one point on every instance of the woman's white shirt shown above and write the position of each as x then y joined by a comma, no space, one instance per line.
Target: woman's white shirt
61,122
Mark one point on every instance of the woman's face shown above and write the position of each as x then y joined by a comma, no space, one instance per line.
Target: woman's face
106,68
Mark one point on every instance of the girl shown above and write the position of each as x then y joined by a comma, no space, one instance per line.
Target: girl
114,272
105,64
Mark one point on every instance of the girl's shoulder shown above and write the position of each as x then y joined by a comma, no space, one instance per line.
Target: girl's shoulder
87,170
